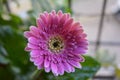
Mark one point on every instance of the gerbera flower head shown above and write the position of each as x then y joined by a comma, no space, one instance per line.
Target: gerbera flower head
57,43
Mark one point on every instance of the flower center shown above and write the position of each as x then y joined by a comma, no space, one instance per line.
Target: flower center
56,44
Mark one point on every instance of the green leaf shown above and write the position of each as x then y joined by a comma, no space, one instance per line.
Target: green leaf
3,60
89,68
1,5
3,51
6,73
14,43
12,21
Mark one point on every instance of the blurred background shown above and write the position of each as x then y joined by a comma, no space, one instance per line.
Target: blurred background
99,18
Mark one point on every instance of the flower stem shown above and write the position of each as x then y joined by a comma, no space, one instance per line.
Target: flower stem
56,78
35,74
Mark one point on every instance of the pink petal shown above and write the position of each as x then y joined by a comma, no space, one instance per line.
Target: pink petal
67,67
60,13
27,34
53,12
62,19
80,50
54,68
47,69
67,25
33,40
33,29
39,61
83,42
60,68
32,59
39,67
46,13
72,69
82,59
74,63
32,46
68,15
46,62
35,53
43,17
49,20
84,35
76,26
55,20
40,23
27,49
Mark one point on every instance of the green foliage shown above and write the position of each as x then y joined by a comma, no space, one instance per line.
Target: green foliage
12,20
105,61
48,5
13,43
14,61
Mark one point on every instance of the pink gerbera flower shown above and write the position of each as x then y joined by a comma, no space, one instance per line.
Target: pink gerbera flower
57,43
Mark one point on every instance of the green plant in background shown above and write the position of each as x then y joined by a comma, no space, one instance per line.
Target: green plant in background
14,61
108,60
48,5
117,69
105,58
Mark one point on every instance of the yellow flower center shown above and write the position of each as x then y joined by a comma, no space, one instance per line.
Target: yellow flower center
56,44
